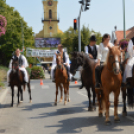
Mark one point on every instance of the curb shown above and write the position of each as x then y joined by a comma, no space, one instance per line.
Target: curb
3,94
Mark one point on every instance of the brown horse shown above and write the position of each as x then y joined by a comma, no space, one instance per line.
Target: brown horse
87,75
17,79
61,78
111,82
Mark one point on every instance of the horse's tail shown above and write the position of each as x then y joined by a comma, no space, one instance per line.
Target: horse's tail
102,101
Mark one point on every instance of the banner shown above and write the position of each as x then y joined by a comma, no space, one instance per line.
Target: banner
47,42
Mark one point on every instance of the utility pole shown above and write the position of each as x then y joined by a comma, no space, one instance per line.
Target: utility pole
85,4
22,30
124,20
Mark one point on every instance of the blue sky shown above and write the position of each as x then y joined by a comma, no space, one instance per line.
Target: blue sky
102,16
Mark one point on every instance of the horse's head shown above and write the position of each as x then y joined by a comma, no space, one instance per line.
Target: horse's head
59,60
76,61
15,64
114,59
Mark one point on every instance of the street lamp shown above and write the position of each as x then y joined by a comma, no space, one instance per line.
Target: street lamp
124,23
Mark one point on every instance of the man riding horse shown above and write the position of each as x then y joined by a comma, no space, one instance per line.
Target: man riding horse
22,65
129,63
65,62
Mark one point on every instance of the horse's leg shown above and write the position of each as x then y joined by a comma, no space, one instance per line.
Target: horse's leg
124,113
12,87
94,96
61,91
21,92
99,96
56,93
29,90
68,92
106,97
90,108
116,96
65,94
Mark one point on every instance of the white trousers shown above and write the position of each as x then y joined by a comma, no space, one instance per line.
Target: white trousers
52,71
22,69
128,69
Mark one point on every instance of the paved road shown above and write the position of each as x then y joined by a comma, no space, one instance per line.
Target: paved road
42,117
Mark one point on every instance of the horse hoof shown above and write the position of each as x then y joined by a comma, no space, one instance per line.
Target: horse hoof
55,103
117,120
68,100
11,105
91,109
60,101
124,114
108,123
100,115
65,103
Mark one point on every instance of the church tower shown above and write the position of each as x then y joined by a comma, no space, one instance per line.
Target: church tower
50,20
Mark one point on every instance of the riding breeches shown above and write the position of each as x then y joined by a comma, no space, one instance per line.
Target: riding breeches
22,69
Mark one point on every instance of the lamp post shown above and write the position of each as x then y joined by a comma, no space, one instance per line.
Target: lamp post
124,23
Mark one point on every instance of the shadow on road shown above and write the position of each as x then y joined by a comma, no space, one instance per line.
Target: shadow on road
75,125
38,105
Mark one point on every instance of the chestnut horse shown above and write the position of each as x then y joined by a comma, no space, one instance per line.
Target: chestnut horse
61,78
111,82
87,75
17,79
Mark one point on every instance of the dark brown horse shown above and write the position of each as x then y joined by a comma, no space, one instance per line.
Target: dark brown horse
61,78
111,82
17,79
87,75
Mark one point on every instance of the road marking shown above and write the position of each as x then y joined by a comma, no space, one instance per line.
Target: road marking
119,112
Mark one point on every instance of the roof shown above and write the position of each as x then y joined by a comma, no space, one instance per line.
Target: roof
120,34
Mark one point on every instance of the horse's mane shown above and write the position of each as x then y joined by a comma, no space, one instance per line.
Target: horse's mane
115,50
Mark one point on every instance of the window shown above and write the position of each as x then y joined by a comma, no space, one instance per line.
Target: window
50,14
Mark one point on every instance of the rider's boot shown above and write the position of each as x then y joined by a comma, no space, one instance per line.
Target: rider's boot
128,84
97,78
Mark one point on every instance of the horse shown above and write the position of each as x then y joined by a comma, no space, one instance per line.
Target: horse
127,92
87,74
61,78
17,79
110,82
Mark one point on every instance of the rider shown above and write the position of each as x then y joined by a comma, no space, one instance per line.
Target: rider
22,65
91,50
65,62
102,56
129,64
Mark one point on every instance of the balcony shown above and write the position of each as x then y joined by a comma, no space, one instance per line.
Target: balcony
43,20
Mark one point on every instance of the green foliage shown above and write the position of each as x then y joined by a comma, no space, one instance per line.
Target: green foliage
3,75
69,38
28,70
13,37
37,72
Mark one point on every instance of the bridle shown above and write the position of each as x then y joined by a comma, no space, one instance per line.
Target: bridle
112,63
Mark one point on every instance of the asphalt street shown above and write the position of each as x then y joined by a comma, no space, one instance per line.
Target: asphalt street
42,117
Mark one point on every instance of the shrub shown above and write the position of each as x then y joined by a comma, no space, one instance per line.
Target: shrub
37,73
29,71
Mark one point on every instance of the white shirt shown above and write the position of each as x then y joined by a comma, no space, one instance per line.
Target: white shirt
130,49
25,63
66,59
102,52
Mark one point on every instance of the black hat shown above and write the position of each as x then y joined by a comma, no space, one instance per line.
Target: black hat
93,38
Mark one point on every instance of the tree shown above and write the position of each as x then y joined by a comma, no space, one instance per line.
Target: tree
13,37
